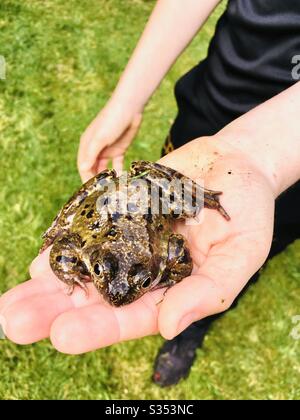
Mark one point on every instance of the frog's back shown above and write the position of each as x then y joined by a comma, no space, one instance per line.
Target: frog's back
87,221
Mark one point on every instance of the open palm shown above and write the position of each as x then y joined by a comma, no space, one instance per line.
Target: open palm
225,255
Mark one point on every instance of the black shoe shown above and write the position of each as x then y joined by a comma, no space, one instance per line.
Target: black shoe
176,356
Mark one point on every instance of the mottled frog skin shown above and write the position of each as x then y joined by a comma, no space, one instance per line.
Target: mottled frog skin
125,254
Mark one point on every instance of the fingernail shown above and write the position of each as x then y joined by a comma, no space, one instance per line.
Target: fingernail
2,327
185,322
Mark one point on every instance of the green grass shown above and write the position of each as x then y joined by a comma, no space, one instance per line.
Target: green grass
63,61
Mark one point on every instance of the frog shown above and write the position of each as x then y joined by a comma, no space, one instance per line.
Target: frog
126,252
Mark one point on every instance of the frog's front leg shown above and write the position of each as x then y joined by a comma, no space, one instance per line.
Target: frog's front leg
65,216
66,261
183,197
179,263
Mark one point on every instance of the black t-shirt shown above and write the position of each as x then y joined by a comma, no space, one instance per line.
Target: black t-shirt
250,59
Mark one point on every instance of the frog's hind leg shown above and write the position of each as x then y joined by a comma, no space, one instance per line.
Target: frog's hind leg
66,214
183,197
66,262
179,263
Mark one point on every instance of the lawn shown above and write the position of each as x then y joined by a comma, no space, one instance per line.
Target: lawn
63,61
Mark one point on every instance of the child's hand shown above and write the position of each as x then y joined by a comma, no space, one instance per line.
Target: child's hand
241,161
225,255
107,137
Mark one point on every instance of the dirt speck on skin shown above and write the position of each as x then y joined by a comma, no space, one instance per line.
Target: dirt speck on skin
211,166
229,172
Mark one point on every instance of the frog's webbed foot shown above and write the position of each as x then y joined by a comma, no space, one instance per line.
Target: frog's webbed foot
179,263
66,262
81,283
182,197
65,216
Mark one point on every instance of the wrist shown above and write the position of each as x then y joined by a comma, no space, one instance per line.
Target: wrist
128,99
241,145
269,136
217,160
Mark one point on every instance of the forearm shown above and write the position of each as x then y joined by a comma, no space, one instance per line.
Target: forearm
269,135
172,25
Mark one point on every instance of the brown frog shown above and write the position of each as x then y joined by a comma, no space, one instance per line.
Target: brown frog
127,251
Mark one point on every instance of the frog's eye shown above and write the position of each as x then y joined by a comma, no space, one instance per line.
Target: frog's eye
97,269
146,283
108,267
